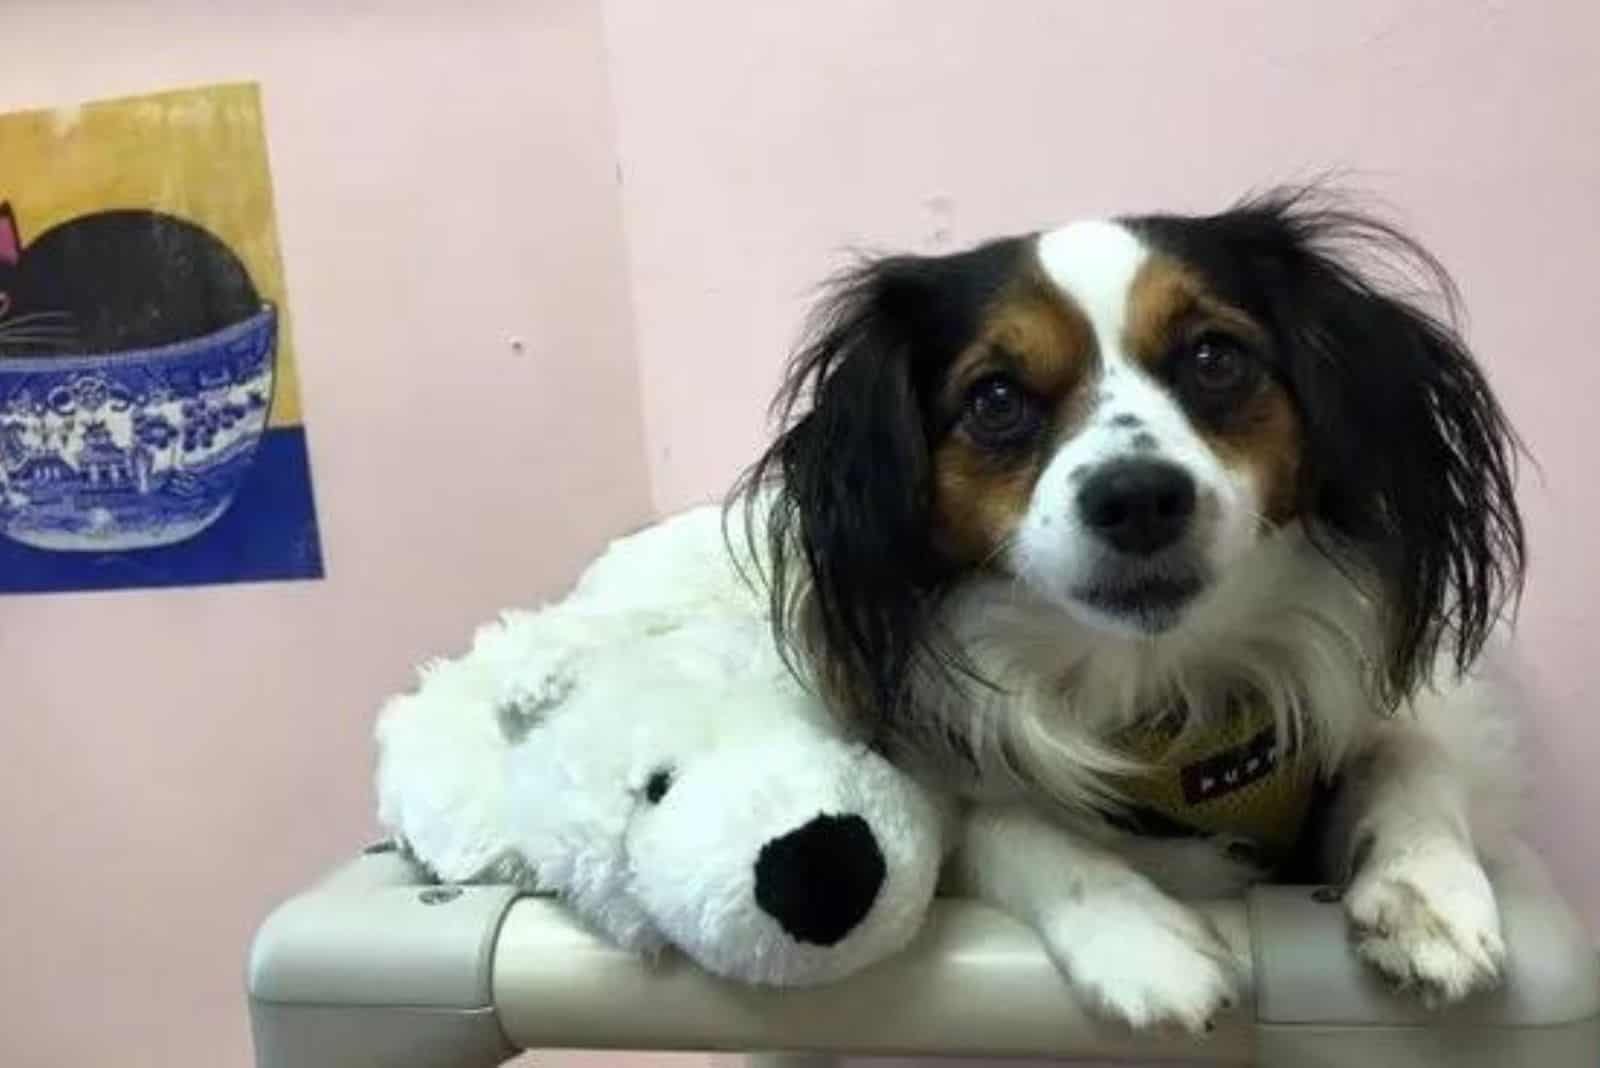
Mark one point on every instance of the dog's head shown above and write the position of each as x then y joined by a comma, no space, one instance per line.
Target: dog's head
1116,414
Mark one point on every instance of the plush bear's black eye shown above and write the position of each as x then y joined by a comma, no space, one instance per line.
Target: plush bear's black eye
657,785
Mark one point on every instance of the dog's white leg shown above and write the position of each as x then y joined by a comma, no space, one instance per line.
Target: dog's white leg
1128,949
1420,905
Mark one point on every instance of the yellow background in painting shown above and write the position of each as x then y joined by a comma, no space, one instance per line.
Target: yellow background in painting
200,154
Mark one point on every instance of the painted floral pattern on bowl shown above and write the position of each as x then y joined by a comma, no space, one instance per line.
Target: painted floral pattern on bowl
132,449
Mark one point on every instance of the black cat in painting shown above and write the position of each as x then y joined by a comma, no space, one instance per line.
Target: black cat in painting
114,281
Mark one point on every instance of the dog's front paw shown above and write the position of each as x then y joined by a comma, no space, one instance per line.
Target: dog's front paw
1428,921
1144,959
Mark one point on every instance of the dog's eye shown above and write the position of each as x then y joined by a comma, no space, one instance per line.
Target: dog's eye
1216,370
999,413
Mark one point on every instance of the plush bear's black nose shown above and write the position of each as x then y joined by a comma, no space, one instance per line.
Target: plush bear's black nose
820,880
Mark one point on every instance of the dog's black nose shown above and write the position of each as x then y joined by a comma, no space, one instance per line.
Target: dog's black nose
1138,506
821,879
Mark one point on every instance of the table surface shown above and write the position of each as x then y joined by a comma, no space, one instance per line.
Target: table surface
374,937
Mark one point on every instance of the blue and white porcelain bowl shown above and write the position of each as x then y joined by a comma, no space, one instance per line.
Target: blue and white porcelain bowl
131,450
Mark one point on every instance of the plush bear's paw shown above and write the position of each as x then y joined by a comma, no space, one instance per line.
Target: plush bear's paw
1135,955
1428,921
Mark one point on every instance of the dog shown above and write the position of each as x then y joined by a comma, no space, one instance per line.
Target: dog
1182,549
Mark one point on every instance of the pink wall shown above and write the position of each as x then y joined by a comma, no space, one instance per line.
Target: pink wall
908,124
177,762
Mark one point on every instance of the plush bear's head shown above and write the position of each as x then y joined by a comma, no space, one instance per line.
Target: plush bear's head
715,814
787,857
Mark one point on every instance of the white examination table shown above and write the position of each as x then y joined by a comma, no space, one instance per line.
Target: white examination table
376,966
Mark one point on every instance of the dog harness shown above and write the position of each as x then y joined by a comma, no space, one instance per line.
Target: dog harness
1234,777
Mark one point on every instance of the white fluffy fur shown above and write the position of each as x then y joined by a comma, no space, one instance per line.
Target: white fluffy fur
643,584
1432,790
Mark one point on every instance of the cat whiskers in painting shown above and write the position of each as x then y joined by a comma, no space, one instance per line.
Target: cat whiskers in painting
22,333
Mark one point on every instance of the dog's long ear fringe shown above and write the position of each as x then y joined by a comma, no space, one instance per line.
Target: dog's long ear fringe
837,508
838,512
1410,460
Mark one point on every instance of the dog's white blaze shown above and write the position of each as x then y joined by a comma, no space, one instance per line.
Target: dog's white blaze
1095,263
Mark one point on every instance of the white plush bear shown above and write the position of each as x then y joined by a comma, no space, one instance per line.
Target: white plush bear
640,750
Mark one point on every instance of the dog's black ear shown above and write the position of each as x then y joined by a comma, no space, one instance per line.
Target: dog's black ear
1408,458
846,532
846,488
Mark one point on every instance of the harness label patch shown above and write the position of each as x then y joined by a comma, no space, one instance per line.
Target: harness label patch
1232,769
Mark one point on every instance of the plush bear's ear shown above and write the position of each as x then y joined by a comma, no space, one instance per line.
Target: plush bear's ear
525,703
514,721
